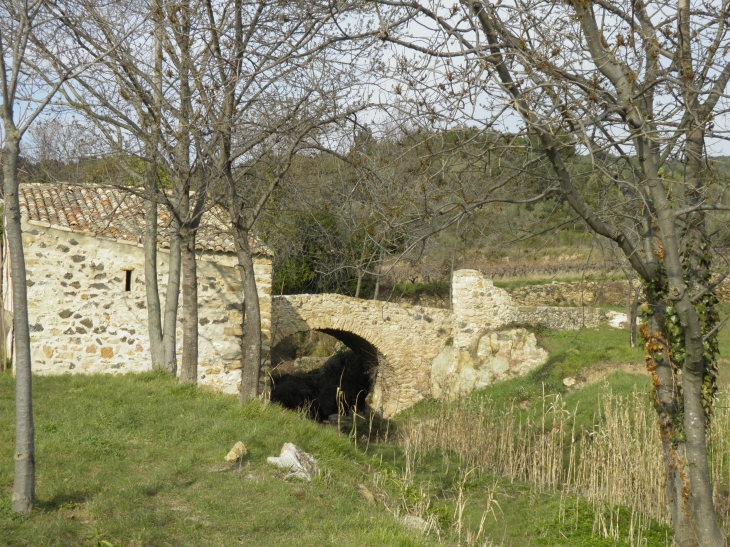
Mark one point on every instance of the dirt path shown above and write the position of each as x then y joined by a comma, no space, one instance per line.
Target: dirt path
596,373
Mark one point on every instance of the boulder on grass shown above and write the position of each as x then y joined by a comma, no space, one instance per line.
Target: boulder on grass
295,460
237,452
412,522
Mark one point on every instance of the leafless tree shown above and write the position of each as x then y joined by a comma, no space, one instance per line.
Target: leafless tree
278,83
62,142
385,199
637,90
29,83
215,94
143,100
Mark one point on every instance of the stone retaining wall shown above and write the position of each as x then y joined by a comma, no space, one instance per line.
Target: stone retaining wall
586,294
572,294
560,318
478,305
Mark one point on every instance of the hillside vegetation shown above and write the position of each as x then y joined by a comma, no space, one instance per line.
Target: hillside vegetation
138,460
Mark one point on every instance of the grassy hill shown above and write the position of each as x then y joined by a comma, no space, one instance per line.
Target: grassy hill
137,460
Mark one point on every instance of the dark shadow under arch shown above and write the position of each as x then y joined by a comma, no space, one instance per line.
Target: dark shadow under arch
353,371
356,343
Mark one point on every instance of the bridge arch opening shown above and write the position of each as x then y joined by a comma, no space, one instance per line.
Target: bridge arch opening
337,384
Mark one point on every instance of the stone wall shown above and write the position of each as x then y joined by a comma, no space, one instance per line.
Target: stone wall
492,357
83,321
482,351
588,293
477,305
572,294
560,318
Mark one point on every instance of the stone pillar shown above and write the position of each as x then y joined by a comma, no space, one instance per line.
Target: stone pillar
477,356
477,305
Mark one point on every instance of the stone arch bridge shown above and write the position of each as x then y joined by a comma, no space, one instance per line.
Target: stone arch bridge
421,351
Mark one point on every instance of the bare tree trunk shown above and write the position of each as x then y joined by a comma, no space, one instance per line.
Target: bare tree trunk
359,283
251,342
187,217
361,267
377,279
172,298
154,321
633,315
668,402
157,349
632,298
3,326
676,490
3,348
24,479
451,266
188,232
189,363
701,504
3,333
632,323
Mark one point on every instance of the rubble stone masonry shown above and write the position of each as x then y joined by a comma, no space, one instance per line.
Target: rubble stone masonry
82,320
424,352
588,293
87,310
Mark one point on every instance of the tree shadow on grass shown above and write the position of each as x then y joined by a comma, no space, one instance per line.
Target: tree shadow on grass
63,501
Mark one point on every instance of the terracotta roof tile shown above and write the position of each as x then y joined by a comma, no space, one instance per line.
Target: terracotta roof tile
112,212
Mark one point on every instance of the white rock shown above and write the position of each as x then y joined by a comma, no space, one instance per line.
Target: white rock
569,382
295,460
417,524
499,356
442,370
617,320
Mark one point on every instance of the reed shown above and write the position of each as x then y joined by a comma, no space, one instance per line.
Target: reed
615,463
497,440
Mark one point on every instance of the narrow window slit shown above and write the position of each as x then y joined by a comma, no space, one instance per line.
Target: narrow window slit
128,280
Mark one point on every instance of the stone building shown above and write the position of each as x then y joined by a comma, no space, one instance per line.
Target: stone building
86,294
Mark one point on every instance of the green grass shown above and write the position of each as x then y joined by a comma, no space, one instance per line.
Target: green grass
521,516
132,461
527,518
569,353
536,280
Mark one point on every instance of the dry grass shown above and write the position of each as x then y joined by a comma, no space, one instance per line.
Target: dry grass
496,440
615,463
619,461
